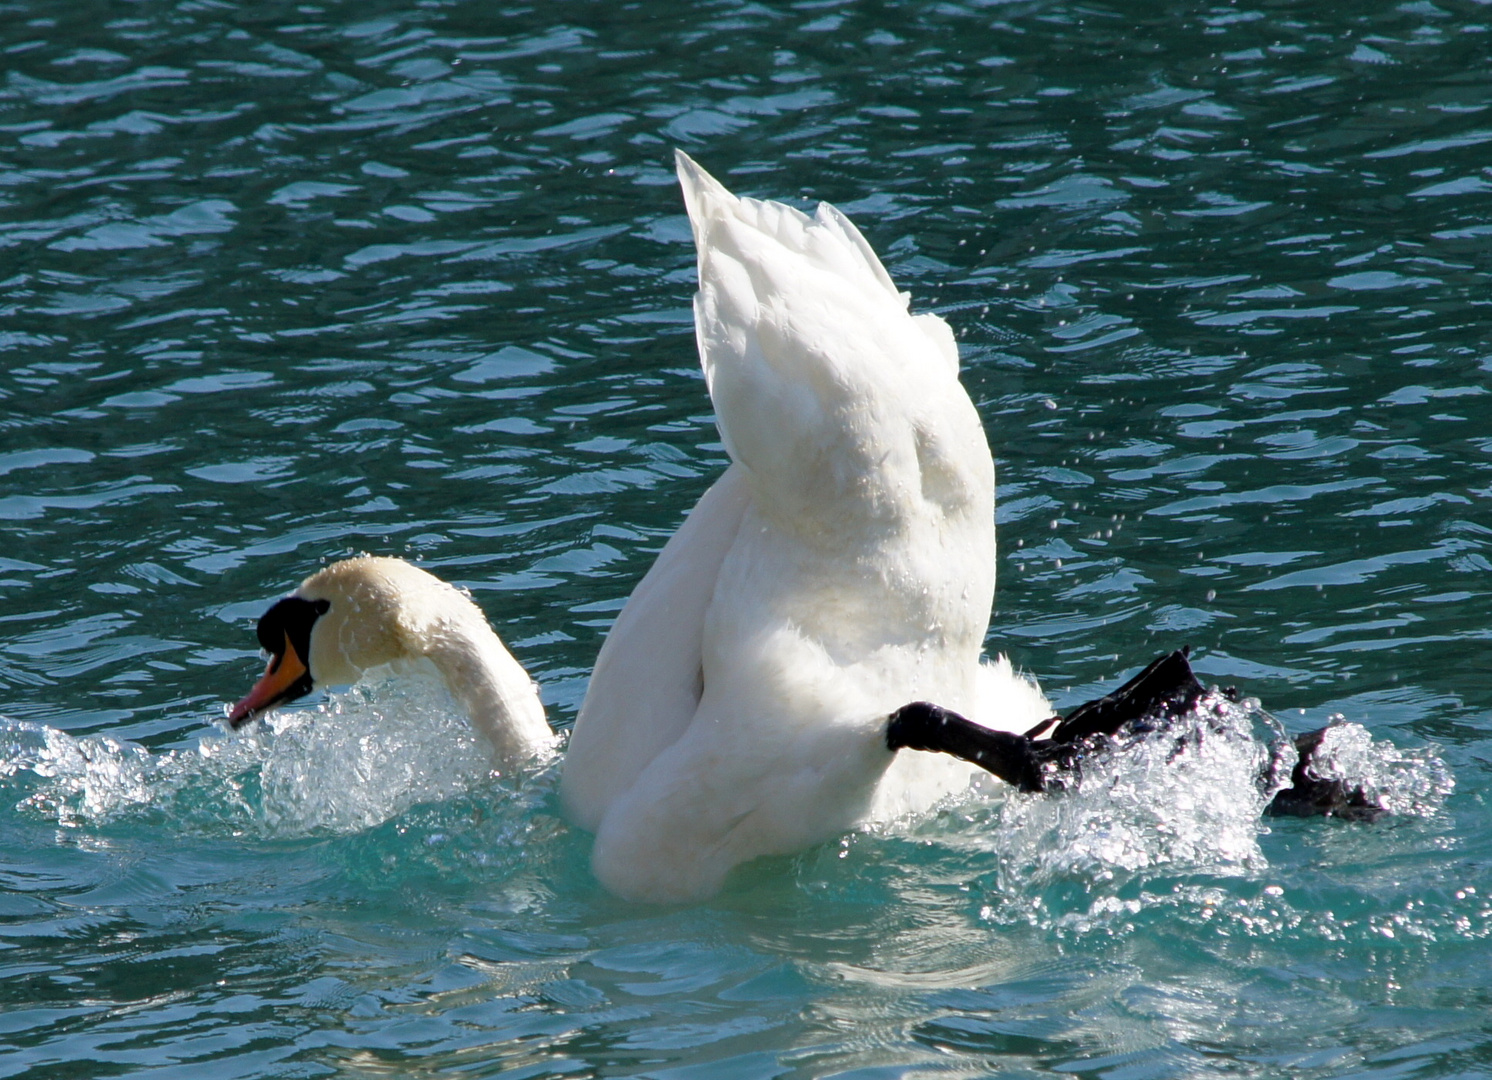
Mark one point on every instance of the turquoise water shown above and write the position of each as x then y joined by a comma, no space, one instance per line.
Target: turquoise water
290,281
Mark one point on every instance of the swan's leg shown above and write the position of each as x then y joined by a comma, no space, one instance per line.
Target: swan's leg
1166,688
1164,691
925,726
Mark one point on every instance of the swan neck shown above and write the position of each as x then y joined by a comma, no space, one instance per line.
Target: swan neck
492,687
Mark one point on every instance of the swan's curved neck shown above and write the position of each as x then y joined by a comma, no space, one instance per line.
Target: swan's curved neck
491,686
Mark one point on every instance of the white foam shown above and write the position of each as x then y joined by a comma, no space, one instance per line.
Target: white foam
361,757
1188,798
1173,803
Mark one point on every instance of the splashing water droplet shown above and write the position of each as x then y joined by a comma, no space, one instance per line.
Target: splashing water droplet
361,757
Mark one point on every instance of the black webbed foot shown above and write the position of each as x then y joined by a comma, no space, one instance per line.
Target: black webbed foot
1310,795
1050,755
1165,690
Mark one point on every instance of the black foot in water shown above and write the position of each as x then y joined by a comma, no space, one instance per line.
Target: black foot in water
1310,796
1050,755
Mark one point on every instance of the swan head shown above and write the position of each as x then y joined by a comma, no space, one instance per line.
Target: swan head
354,615
370,613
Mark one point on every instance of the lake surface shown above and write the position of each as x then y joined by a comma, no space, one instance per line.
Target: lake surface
286,282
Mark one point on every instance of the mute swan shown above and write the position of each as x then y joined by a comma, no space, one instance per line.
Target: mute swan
842,566
751,696
366,613
361,613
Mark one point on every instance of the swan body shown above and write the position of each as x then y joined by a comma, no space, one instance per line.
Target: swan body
368,613
841,567
822,606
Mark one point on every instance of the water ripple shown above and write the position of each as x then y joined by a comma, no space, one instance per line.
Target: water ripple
290,282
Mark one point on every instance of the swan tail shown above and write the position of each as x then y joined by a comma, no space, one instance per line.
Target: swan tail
708,201
826,388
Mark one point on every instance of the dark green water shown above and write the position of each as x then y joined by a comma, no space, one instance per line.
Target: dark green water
286,282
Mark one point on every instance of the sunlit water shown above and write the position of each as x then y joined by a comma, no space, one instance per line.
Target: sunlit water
286,282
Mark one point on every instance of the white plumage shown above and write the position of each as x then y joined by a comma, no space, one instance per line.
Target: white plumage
842,566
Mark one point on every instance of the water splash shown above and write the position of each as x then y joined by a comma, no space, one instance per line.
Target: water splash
1404,782
1167,805
367,755
1188,797
90,777
361,757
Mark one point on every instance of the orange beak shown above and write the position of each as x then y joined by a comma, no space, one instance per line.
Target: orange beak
285,678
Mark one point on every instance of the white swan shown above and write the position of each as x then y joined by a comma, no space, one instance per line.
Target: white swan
826,598
843,566
824,601
363,613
